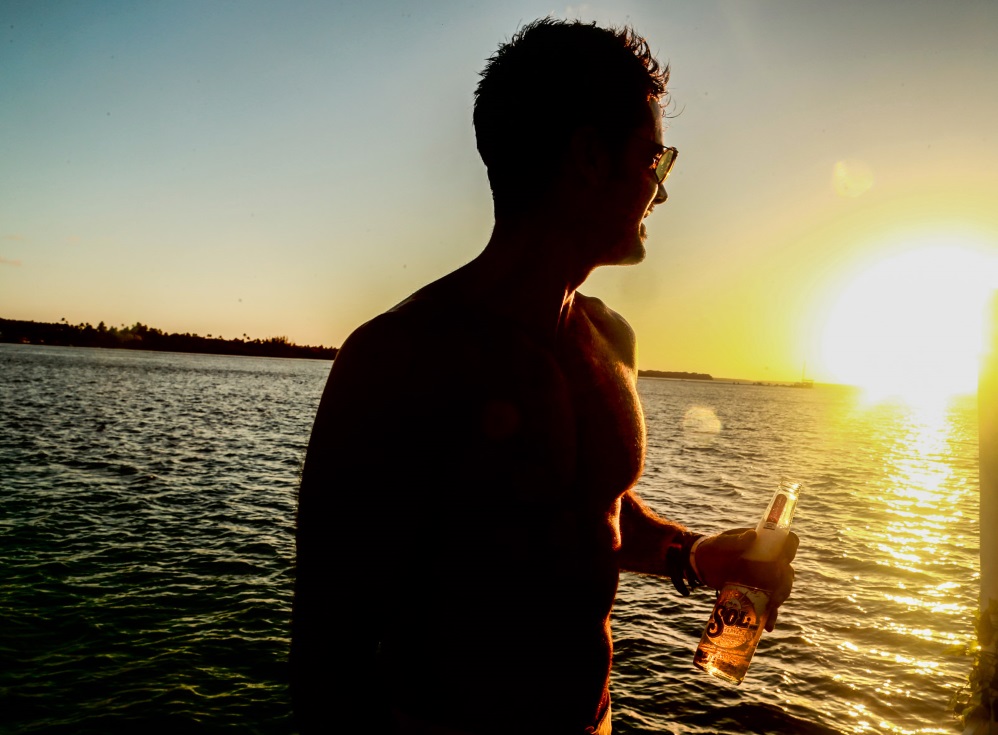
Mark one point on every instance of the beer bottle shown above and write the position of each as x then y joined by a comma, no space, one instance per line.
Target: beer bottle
739,615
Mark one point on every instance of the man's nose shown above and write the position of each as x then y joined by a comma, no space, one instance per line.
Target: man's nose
661,195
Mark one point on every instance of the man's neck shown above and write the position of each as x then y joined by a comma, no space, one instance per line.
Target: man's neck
529,272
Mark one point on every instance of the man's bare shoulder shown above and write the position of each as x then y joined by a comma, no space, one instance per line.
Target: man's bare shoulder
435,373
440,339
610,325
377,344
403,331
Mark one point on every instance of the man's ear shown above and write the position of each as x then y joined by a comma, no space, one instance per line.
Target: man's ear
588,160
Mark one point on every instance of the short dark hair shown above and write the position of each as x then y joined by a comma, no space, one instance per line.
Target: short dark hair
601,77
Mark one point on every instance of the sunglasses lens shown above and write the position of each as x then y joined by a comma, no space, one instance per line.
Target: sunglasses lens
665,164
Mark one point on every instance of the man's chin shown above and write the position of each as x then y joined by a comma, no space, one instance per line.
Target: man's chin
626,252
638,251
634,254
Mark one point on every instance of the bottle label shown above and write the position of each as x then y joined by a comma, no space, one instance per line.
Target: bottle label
776,511
737,616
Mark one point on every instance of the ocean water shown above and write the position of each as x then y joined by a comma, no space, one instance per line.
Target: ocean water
146,549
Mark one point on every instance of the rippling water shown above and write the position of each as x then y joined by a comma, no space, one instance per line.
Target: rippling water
146,549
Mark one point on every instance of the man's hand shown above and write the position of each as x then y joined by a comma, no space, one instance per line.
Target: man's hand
718,561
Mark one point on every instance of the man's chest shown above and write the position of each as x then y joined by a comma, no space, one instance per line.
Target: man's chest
562,421
608,421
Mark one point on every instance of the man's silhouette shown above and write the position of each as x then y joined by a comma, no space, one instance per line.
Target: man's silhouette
466,505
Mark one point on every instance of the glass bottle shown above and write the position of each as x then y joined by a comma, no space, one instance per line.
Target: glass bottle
739,616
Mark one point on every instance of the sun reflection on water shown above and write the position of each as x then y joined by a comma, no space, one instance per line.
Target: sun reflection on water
918,497
912,536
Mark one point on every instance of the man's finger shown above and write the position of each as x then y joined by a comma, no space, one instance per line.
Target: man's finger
790,547
737,540
781,591
771,621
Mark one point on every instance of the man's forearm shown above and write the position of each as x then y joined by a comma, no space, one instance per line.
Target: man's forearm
646,537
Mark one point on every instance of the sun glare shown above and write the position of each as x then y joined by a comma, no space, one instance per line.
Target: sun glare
912,325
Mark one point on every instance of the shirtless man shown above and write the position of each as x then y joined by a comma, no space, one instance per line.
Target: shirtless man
467,501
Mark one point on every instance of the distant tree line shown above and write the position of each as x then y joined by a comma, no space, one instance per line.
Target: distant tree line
140,337
669,374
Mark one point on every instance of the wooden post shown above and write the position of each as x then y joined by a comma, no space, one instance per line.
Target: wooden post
978,711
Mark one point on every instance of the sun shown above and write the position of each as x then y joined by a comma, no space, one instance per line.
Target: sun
913,324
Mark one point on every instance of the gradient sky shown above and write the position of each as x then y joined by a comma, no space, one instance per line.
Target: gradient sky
296,168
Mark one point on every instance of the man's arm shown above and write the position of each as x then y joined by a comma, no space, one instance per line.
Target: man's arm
340,538
646,538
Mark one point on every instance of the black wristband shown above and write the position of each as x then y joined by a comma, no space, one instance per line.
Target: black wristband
678,566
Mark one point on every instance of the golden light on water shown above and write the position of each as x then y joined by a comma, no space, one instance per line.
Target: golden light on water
912,325
925,634
917,499
921,502
913,611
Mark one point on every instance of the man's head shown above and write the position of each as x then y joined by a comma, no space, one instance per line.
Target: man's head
551,80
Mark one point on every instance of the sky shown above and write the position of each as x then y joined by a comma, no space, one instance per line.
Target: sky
294,169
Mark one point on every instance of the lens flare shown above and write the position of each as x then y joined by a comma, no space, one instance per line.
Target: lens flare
851,177
701,420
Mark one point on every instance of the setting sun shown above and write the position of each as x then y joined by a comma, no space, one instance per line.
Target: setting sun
912,324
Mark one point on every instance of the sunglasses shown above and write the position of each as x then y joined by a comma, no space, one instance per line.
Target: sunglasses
664,161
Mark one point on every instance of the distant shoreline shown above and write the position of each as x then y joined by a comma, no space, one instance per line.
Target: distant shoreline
674,375
141,337
656,375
